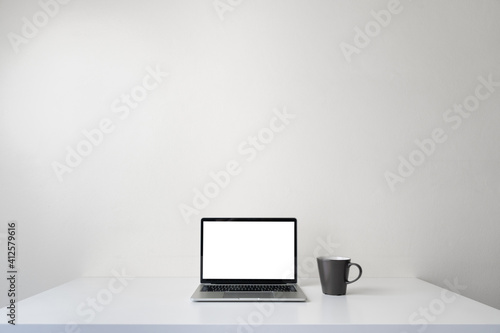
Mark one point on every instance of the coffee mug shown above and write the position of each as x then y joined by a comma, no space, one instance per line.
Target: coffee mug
334,274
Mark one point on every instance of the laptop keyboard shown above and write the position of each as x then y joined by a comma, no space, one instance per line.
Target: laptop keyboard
248,287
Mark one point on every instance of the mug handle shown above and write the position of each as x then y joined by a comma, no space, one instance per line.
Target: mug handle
360,272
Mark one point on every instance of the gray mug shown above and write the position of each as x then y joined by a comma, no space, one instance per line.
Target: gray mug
334,274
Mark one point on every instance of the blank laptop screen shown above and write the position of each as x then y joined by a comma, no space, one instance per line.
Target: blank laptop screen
248,250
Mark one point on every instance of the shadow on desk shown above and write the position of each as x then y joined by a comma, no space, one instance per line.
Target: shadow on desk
353,289
366,291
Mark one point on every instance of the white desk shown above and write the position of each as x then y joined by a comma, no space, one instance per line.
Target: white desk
162,305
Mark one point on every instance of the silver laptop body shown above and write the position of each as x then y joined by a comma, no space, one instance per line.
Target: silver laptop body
248,259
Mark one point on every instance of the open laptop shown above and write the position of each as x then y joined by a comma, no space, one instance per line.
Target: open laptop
248,259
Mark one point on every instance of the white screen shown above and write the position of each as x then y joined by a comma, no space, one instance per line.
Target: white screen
248,250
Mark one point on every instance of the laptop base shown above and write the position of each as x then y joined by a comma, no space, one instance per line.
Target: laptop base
248,296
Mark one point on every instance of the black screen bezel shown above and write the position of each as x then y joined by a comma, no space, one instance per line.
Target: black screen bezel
250,219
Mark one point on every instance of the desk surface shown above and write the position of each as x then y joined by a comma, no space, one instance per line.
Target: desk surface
165,301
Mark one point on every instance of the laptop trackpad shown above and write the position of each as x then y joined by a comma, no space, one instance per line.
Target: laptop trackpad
250,294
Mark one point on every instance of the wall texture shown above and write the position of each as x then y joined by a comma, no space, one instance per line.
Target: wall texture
375,123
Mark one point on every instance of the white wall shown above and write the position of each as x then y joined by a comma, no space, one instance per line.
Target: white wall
119,208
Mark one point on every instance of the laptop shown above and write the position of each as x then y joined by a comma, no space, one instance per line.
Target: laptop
248,259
